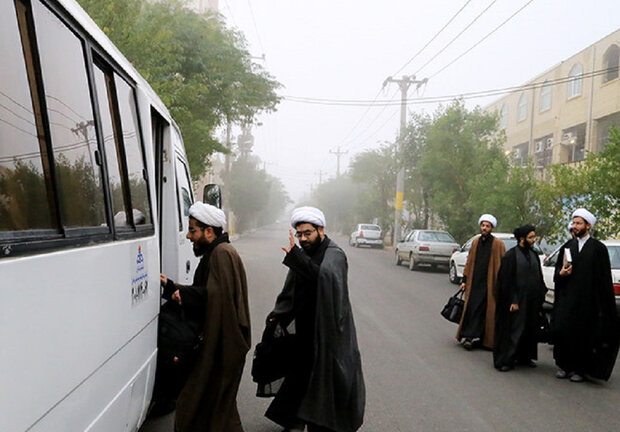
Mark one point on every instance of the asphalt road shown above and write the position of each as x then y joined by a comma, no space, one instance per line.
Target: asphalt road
418,378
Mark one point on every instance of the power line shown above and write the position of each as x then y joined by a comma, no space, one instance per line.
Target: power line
432,39
457,36
483,39
260,43
395,73
447,98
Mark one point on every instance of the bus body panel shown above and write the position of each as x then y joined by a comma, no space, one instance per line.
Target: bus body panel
78,328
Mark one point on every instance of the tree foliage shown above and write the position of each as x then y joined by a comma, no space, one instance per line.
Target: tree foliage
200,69
374,173
256,198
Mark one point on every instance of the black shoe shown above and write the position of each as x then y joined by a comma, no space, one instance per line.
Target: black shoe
528,363
505,368
561,374
468,344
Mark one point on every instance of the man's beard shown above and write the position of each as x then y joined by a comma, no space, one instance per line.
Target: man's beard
200,247
310,247
579,232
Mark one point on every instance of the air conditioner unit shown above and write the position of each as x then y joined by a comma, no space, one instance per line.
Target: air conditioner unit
517,153
568,138
539,146
549,143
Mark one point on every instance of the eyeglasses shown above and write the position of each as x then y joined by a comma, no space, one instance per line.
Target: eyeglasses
307,233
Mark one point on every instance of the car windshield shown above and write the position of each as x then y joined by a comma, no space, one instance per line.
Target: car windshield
370,227
509,242
614,256
441,237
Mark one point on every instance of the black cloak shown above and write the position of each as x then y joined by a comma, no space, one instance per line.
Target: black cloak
516,332
335,394
584,320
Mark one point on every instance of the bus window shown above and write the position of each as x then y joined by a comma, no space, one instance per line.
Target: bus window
71,122
24,182
110,141
133,152
185,198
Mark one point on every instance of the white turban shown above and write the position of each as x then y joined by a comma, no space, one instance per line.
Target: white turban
310,215
586,215
488,218
208,214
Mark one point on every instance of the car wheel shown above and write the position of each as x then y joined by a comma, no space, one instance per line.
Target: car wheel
412,264
398,260
454,278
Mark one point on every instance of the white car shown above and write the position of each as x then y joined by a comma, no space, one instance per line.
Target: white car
367,234
548,269
459,258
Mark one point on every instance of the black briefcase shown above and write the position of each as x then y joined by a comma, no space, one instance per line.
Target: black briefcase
453,310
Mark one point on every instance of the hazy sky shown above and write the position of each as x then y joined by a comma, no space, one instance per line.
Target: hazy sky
345,49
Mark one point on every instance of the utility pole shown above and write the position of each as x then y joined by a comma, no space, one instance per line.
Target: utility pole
338,153
403,84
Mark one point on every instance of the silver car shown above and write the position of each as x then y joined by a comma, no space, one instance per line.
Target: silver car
425,247
367,234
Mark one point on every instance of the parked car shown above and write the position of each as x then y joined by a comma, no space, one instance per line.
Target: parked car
459,258
548,269
425,247
367,234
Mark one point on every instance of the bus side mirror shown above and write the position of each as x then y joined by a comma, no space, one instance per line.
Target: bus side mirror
212,194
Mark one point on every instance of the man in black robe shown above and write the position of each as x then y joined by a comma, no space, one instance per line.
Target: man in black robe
324,387
520,294
584,317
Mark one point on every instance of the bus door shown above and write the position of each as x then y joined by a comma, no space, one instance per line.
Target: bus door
187,260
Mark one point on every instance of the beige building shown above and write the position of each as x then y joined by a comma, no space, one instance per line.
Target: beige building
565,112
202,6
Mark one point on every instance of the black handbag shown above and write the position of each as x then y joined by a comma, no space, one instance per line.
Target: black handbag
273,354
178,342
453,310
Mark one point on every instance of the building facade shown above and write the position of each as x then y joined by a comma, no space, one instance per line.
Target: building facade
202,6
564,113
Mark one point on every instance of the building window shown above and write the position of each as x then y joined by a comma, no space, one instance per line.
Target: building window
503,116
545,96
520,154
522,110
574,85
611,59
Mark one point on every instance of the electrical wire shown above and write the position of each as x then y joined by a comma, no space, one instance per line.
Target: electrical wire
456,37
433,38
482,40
447,98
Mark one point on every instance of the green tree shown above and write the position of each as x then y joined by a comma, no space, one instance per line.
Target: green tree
416,185
461,146
201,70
374,172
256,197
337,198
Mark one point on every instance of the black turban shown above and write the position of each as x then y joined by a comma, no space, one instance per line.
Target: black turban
523,231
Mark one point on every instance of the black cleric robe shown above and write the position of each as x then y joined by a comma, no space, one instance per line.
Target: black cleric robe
519,281
584,320
208,400
325,386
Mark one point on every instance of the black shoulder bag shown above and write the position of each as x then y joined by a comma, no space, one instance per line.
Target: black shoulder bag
453,310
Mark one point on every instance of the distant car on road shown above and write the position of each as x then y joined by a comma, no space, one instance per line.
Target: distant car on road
459,258
367,234
548,269
425,247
